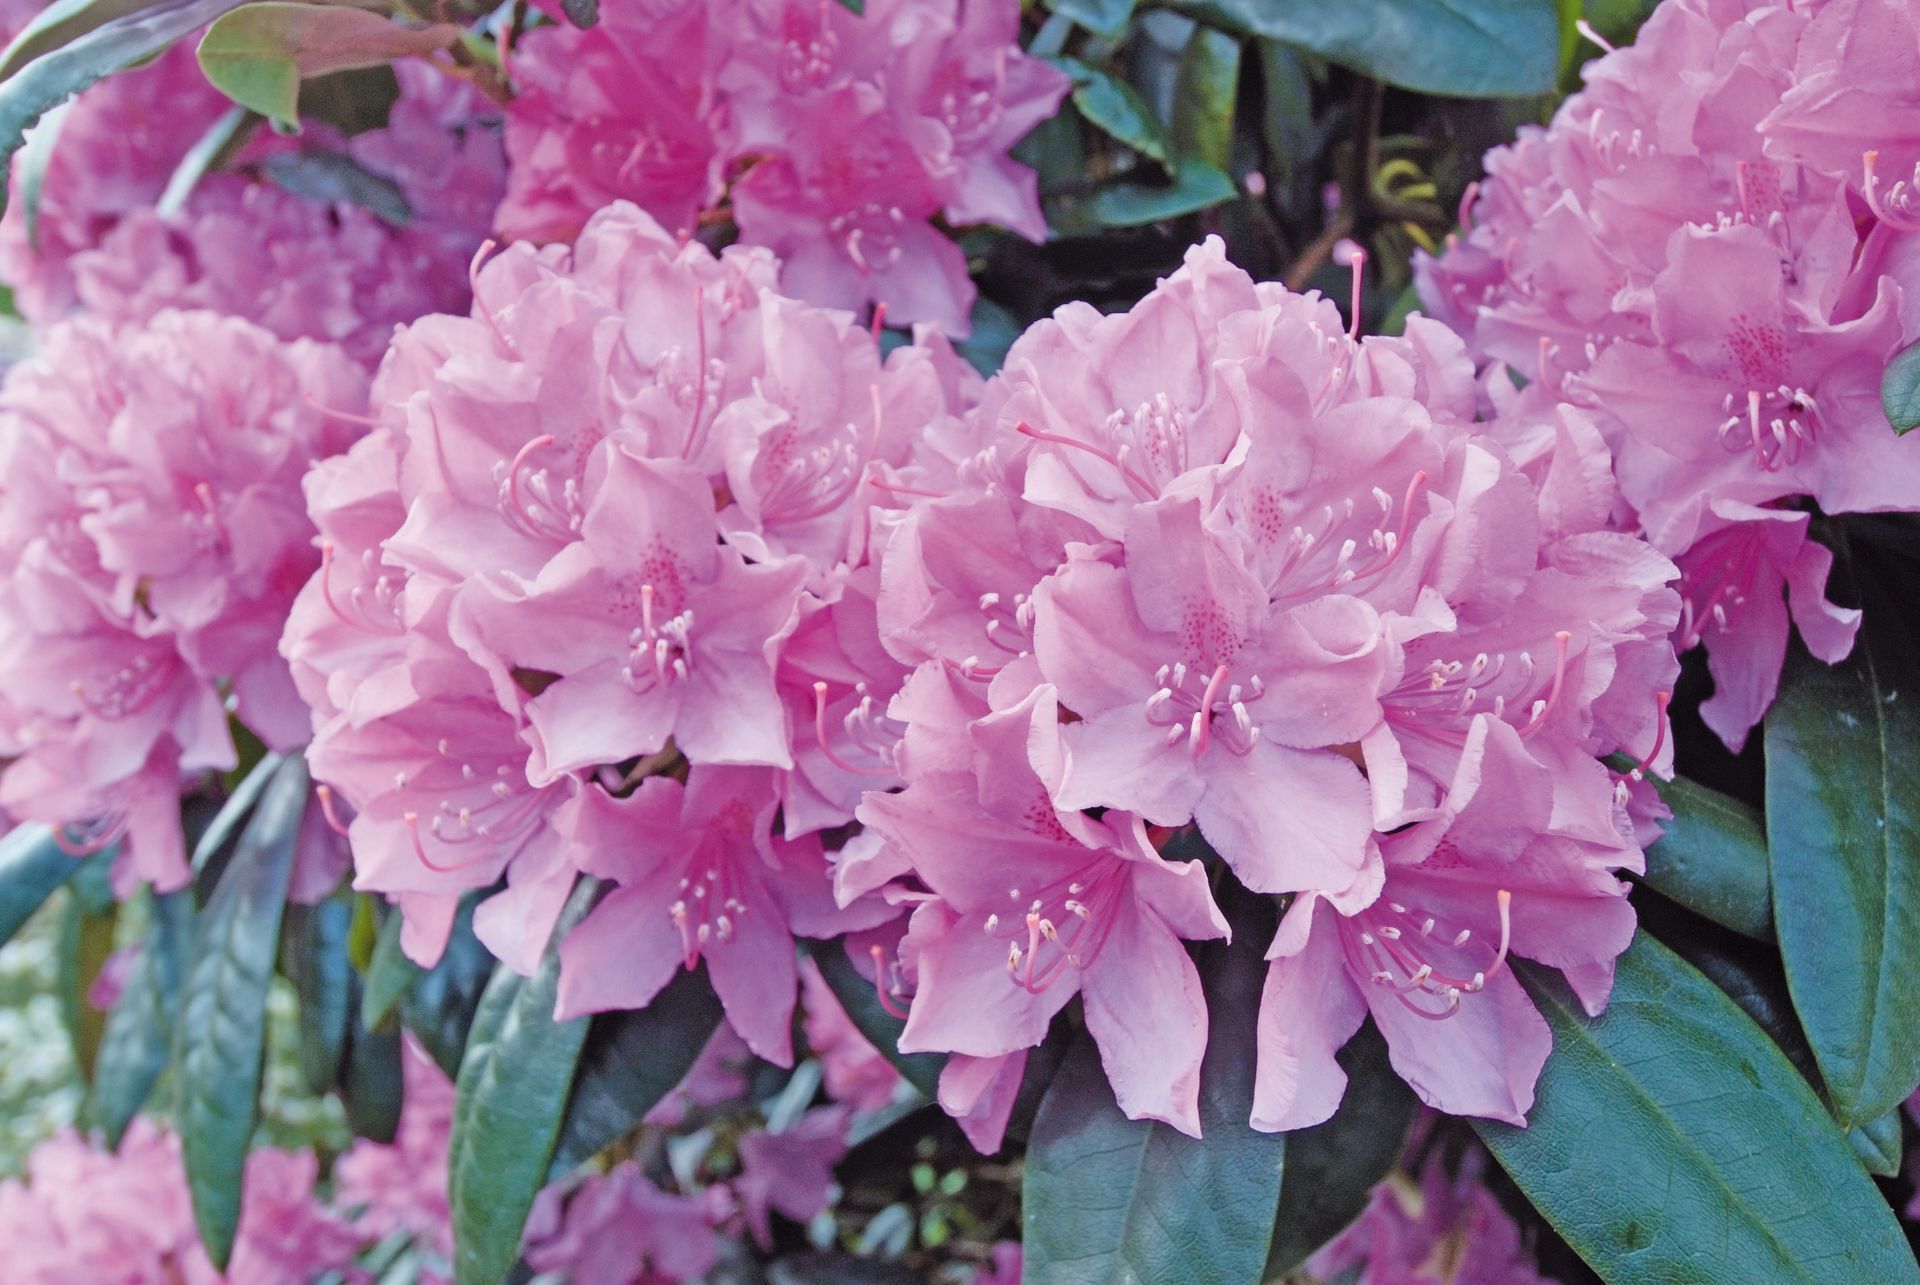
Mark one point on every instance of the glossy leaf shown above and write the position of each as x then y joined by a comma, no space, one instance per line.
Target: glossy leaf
228,823
87,926
1108,1199
316,961
54,76
327,177
630,1062
882,1029
512,1097
439,1007
258,54
585,13
1670,1140
1203,99
61,23
1843,828
1195,186
139,1030
32,866
389,974
221,1042
1102,17
1712,858
1117,108
1471,48
1877,1145
1332,1167
1900,390
371,1084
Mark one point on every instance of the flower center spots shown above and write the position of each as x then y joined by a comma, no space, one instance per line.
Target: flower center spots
1196,708
131,689
660,649
1392,943
808,47
969,108
1614,147
1061,926
1340,547
477,809
870,736
373,607
869,235
1719,574
1777,426
801,483
1441,698
534,501
708,910
1897,205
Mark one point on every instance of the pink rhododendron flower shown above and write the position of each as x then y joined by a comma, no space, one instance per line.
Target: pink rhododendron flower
401,1186
853,1071
1707,251
620,1229
790,1172
837,137
154,538
1220,564
1446,1231
87,1214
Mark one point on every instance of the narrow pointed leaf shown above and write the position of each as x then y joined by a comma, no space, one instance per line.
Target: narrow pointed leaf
1713,859
1195,186
512,1096
1204,97
370,1084
221,1042
1671,1140
389,974
439,1007
1117,108
1843,830
139,1031
316,961
1108,1199
882,1029
32,866
85,945
630,1062
1332,1167
225,828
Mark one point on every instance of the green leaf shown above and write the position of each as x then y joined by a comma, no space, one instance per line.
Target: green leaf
1102,17
1204,94
139,1030
316,962
512,1097
35,156
228,823
882,1029
389,974
1900,390
371,1089
58,74
86,942
994,330
1332,1167
1671,1141
631,1061
1713,859
1287,119
1117,108
331,176
61,23
32,867
1108,1199
257,55
1470,48
1877,1145
221,1042
439,1007
1843,830
1195,186
585,13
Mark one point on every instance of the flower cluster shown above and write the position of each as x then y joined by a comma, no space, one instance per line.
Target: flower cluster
1222,564
832,138
152,540
1445,1231
591,594
1711,250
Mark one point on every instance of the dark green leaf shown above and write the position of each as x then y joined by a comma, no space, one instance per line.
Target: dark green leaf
331,176
439,1007
258,54
60,23
1108,1199
1877,1143
1900,390
1713,859
32,866
389,974
1671,1141
1472,48
630,1062
133,1049
86,942
227,824
585,13
58,74
1204,97
512,1096
1102,17
221,1042
371,1089
1843,831
1194,187
1287,118
357,101
994,330
1116,107
35,156
882,1029
1332,1167
316,961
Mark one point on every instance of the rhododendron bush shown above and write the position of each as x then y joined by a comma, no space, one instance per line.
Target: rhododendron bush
965,640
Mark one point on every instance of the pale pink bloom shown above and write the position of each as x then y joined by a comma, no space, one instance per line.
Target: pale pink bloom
853,1071
1854,91
979,1093
620,1229
1005,1267
790,1172
401,1186
286,1235
154,538
1446,1231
